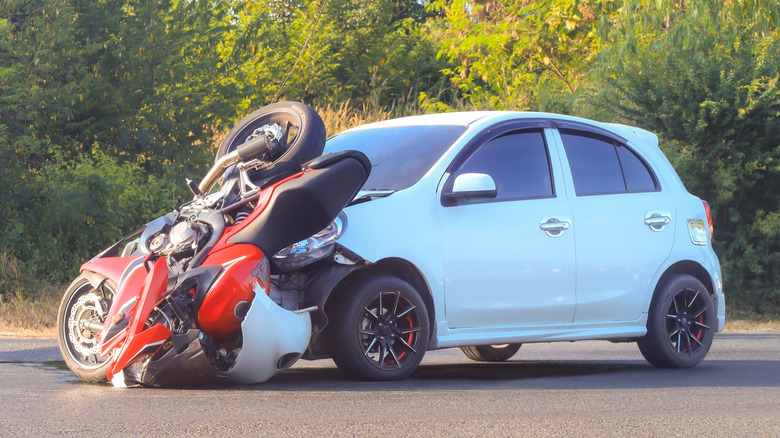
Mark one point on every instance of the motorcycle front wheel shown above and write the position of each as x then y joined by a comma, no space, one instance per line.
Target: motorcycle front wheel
299,130
80,317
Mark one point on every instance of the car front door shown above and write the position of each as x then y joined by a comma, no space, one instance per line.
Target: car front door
508,253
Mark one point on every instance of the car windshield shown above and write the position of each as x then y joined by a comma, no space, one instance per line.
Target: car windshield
400,155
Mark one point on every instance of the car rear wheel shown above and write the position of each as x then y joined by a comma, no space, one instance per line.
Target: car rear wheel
490,353
681,324
380,329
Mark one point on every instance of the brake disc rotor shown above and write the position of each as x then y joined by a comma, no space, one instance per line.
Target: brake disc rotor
274,131
83,340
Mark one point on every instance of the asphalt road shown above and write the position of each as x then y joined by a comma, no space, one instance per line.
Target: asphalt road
564,389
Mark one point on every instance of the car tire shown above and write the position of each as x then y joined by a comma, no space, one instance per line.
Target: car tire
302,142
80,349
681,324
490,353
380,329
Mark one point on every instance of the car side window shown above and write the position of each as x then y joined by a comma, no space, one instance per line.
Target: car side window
600,166
518,163
635,171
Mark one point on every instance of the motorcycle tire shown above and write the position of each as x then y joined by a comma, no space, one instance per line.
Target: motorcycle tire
302,130
81,305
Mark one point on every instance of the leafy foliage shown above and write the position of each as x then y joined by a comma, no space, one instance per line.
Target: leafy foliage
105,106
705,76
519,54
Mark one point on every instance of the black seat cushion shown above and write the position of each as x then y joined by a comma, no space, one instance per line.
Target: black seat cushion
303,206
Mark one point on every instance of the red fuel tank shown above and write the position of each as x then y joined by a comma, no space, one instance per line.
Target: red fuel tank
230,298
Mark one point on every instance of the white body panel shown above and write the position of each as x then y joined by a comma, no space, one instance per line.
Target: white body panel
269,334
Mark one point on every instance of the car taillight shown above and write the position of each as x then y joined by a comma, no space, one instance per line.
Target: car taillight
709,216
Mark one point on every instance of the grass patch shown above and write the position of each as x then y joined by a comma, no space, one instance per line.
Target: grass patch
27,307
752,327
31,317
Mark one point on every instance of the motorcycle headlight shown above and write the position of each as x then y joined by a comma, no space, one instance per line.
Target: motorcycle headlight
312,249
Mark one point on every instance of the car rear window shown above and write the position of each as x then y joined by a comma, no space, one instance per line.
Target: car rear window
599,166
399,155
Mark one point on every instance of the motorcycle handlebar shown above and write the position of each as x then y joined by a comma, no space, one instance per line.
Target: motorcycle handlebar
245,152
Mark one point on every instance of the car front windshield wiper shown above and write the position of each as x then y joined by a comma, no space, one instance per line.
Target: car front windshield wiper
369,195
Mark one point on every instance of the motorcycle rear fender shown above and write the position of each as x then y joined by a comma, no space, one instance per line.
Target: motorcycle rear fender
273,339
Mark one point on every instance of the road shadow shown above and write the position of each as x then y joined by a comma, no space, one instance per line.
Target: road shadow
537,375
514,375
455,373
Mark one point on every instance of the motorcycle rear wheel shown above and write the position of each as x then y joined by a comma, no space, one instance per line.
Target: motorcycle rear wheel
302,136
81,311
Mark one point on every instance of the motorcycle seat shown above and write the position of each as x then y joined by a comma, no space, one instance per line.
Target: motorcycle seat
303,206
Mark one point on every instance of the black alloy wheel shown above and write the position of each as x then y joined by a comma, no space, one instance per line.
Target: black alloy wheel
681,324
381,333
490,353
299,130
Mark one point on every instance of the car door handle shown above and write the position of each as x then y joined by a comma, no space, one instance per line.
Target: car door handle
554,227
657,221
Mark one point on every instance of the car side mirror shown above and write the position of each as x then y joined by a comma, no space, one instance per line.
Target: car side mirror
471,186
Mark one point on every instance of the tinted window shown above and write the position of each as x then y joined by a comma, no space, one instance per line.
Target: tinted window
637,175
594,165
399,155
517,162
598,166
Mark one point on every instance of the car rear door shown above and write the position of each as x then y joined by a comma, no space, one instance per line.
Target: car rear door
623,224
508,260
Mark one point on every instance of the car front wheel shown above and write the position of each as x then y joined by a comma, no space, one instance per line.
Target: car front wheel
380,329
681,324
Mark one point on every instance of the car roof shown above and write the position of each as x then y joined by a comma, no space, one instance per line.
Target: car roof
457,119
468,118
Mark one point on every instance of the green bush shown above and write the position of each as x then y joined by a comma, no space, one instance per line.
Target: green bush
67,211
706,80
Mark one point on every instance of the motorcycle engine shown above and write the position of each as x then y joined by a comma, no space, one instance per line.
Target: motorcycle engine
180,244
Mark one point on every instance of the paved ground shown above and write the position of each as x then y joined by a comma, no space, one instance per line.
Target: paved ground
566,389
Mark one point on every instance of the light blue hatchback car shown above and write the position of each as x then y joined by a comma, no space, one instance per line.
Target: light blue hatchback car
486,230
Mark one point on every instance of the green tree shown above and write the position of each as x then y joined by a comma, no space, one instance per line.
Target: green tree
704,75
331,51
518,54
103,104
143,78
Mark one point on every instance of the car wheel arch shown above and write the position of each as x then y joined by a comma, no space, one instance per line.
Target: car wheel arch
394,267
684,267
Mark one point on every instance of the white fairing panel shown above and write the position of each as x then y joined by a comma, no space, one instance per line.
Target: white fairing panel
270,333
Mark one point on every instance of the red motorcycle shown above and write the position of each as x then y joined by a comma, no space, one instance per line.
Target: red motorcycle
185,299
